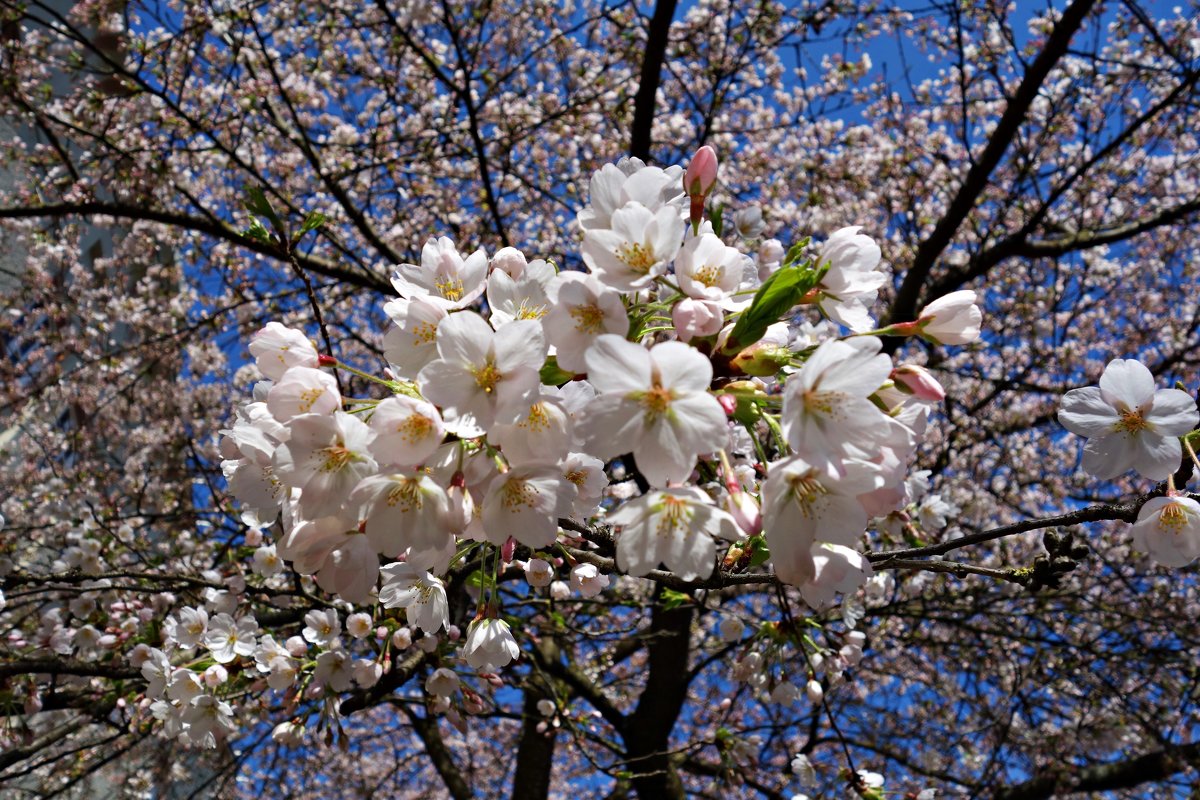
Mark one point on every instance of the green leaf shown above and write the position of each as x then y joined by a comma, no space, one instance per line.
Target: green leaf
312,221
759,552
554,375
717,217
257,232
257,203
673,599
795,251
480,580
778,295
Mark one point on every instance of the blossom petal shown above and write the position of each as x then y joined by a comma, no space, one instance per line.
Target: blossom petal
1127,382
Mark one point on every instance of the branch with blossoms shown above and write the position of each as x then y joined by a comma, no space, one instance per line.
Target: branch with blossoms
679,412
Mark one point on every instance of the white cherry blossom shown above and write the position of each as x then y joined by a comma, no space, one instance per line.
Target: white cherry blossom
277,348
653,403
443,277
1168,529
675,527
489,644
636,249
407,431
1129,425
827,416
483,376
581,308
420,594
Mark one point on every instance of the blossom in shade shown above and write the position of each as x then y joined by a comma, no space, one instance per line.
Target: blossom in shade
420,594
675,527
483,376
1129,425
1168,529
804,504
653,403
403,510
541,435
588,580
838,569
489,644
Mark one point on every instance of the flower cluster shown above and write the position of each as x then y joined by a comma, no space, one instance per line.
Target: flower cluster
674,392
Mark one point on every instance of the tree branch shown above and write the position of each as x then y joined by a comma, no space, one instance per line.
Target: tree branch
645,101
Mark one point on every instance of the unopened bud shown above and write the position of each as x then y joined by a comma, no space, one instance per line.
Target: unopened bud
326,361
919,382
701,173
762,359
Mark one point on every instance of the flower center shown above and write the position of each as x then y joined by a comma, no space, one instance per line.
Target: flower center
487,376
638,257
449,287
538,420
414,427
709,275
1172,518
577,477
1131,421
336,458
529,310
308,397
657,402
517,493
424,333
588,319
406,494
673,514
806,490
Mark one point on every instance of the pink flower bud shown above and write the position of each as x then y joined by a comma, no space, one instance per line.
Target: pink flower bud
508,548
728,403
745,512
254,537
701,173
919,382
696,318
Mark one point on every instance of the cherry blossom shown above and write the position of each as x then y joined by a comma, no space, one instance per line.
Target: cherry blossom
1129,425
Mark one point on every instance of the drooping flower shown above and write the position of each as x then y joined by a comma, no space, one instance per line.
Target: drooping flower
838,569
420,594
489,645
804,504
588,580
1129,425
483,376
1168,529
653,403
675,527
